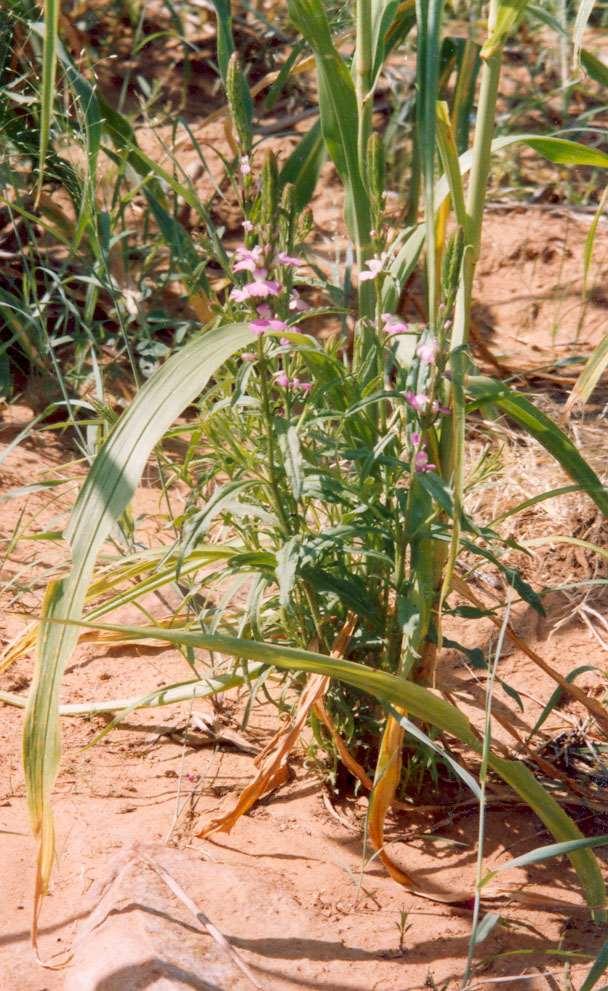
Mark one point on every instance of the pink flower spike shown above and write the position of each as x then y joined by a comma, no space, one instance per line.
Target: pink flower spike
249,356
418,401
247,226
264,311
304,387
245,165
422,463
416,438
427,351
282,379
297,303
289,260
277,325
374,268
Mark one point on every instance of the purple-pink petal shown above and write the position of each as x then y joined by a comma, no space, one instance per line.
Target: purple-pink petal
284,259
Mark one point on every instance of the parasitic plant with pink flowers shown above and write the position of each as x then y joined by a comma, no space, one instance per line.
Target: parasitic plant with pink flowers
327,531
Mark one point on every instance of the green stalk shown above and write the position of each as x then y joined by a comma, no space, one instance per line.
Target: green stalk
476,199
453,434
363,68
362,71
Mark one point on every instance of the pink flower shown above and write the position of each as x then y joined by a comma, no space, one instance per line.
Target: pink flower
437,408
261,326
247,226
427,351
285,342
284,259
258,327
261,287
416,438
418,401
264,311
282,379
248,356
297,303
248,259
245,165
239,295
374,267
394,325
302,386
422,463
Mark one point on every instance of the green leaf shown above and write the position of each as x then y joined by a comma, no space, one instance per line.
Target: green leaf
338,110
303,166
485,927
546,432
557,696
595,366
564,152
597,969
225,40
557,150
547,852
289,443
594,67
104,496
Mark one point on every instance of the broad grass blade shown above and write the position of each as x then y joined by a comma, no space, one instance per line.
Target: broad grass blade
104,496
338,107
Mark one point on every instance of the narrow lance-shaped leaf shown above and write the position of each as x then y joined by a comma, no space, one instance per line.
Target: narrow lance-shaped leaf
596,365
558,150
106,492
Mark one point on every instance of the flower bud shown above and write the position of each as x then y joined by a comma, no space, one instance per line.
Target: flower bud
240,103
